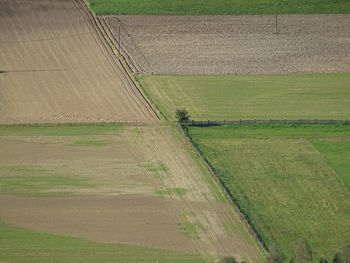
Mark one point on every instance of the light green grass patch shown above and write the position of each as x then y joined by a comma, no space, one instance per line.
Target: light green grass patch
156,167
19,245
217,7
177,192
59,129
27,180
284,185
190,227
321,96
41,185
91,143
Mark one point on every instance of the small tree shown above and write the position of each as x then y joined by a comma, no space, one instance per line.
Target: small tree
182,115
274,255
302,253
228,260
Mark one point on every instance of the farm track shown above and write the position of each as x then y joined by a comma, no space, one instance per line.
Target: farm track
57,68
235,44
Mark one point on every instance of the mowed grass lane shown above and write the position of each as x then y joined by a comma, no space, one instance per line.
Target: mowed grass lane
217,7
292,182
321,96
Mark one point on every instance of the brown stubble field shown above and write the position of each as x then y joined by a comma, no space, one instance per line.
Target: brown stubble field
54,67
143,187
236,44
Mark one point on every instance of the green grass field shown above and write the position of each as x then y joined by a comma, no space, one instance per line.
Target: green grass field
19,245
217,7
292,182
322,96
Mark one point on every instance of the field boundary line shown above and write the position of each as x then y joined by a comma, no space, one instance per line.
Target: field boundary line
253,233
204,123
124,66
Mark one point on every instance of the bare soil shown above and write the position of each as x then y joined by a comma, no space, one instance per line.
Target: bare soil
54,67
235,44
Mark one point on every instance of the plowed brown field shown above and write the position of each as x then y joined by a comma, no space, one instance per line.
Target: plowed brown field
235,44
54,67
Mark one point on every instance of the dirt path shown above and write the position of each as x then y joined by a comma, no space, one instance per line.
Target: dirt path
54,67
236,44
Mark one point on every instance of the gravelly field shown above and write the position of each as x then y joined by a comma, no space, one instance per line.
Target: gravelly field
236,44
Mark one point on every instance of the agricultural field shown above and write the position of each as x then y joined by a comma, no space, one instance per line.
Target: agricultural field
291,182
91,172
308,96
135,193
235,44
55,68
217,7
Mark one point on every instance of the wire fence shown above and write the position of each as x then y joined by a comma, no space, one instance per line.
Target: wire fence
266,122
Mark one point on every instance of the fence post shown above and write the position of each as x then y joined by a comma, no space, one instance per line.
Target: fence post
240,121
269,121
192,122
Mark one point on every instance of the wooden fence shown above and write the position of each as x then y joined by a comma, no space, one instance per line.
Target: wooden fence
265,122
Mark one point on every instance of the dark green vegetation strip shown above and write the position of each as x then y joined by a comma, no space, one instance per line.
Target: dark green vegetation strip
321,96
290,181
218,7
19,245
